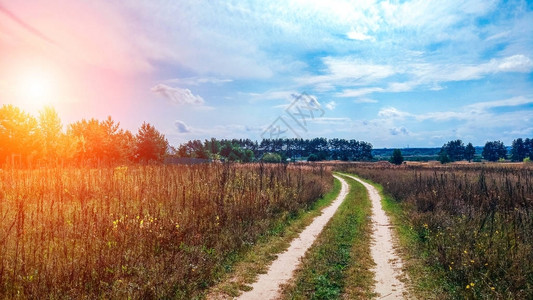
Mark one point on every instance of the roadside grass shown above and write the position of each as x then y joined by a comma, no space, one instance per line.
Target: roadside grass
338,264
244,269
426,282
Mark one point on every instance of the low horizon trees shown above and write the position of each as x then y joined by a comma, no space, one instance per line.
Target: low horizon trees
495,150
452,151
519,150
470,152
27,141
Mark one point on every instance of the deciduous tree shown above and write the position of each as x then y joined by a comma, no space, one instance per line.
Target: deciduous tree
151,145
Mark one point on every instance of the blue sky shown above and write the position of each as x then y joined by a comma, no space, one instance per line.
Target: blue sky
393,73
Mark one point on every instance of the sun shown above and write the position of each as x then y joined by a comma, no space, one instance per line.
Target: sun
36,87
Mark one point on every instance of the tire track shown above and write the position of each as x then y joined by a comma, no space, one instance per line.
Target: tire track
388,269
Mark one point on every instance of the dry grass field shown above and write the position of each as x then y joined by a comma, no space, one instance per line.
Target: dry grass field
141,232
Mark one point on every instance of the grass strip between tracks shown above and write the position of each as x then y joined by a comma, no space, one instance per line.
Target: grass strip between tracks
338,265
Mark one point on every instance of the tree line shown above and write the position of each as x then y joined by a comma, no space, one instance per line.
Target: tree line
26,140
492,151
246,150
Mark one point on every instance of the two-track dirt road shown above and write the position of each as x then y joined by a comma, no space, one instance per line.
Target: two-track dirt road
388,267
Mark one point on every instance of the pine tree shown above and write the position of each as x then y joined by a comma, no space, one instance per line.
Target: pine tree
397,157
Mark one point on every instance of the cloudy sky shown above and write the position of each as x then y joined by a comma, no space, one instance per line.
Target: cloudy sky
394,73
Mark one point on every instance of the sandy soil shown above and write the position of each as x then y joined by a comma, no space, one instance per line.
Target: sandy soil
388,267
282,269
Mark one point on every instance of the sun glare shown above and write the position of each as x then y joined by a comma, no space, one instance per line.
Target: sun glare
36,87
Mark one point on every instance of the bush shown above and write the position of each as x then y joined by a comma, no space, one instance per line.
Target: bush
312,157
444,158
271,158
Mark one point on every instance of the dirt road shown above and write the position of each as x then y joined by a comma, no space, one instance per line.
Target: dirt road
388,269
282,269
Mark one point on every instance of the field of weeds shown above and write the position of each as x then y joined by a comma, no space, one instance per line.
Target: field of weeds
474,223
141,232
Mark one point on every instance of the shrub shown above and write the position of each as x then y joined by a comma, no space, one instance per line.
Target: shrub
312,157
271,158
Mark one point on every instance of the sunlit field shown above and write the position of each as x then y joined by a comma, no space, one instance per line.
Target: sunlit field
474,223
141,232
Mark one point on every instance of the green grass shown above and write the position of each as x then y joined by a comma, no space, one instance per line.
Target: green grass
426,282
244,269
337,266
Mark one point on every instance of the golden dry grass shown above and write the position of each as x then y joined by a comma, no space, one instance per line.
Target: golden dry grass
140,232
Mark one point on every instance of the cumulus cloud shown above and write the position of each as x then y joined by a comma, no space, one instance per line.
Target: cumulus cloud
354,35
515,63
182,127
399,131
393,113
331,105
177,95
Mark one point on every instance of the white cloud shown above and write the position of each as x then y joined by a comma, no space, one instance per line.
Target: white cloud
199,80
445,116
182,127
401,86
498,36
355,68
515,63
273,95
359,92
393,113
399,131
516,101
325,120
477,112
177,95
425,75
435,73
354,35
331,105
365,100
